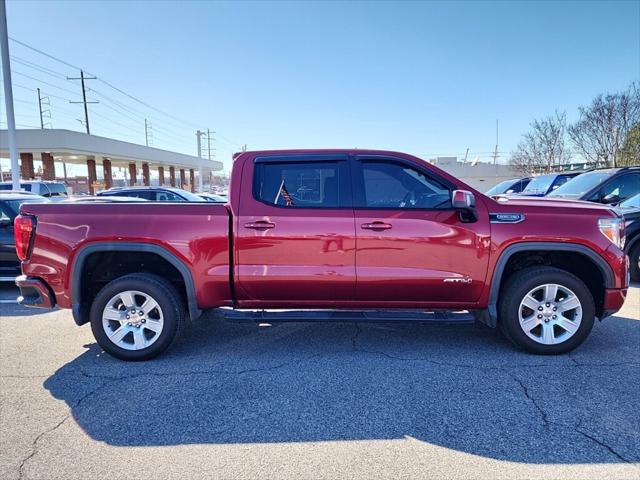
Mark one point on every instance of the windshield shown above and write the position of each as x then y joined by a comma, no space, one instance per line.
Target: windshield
502,187
539,184
582,184
633,202
191,197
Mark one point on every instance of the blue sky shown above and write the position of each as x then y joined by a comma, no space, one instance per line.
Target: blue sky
428,78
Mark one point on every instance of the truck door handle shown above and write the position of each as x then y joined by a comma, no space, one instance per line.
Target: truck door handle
260,225
376,226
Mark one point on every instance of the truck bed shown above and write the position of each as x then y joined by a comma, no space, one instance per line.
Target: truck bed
196,234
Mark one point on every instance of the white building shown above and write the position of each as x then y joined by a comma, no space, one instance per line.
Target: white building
479,175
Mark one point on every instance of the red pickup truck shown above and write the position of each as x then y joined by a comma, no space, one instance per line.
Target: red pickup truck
335,231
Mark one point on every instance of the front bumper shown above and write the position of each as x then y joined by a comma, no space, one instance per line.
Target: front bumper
34,293
613,300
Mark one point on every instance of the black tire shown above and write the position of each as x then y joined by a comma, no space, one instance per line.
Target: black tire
162,292
518,285
634,262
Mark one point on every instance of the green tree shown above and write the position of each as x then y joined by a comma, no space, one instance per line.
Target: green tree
629,154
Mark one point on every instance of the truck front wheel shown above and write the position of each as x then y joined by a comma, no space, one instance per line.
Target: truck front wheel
136,316
545,310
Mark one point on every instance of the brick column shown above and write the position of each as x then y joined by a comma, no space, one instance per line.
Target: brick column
132,174
172,176
92,175
146,179
161,175
26,166
48,167
106,173
182,178
192,180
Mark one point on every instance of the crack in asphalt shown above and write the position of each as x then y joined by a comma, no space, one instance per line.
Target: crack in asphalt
525,390
111,379
41,435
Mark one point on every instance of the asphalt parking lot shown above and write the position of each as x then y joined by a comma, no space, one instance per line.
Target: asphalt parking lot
327,400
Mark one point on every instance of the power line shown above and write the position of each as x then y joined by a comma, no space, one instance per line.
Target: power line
35,66
122,92
42,81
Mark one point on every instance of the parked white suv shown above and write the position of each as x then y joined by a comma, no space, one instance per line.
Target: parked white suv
52,190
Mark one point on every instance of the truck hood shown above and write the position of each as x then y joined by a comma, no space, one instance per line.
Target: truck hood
546,202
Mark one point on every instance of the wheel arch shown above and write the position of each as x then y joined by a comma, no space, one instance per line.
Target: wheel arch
635,239
80,313
508,253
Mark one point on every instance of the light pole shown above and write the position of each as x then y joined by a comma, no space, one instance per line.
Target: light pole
8,97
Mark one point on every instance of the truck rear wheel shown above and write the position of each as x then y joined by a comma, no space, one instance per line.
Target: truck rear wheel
136,316
546,310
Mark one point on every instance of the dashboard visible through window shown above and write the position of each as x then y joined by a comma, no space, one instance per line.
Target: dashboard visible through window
388,184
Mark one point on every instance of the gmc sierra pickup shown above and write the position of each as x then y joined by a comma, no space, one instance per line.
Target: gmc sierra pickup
338,230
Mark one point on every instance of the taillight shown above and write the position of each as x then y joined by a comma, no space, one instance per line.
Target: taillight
23,229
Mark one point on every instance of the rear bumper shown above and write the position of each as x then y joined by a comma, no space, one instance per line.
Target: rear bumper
613,300
34,293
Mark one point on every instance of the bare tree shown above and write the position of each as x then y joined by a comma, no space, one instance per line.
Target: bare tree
603,126
543,147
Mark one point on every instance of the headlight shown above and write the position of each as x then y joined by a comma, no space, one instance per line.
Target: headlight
613,229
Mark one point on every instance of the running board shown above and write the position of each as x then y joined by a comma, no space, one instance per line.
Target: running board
268,316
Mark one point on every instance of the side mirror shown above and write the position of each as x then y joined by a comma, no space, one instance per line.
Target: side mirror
5,222
463,199
465,202
611,199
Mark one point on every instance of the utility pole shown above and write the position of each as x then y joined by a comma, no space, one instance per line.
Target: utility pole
44,106
495,154
466,154
8,98
199,134
209,139
148,133
82,78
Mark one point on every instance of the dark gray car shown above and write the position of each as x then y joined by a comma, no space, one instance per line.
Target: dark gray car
9,208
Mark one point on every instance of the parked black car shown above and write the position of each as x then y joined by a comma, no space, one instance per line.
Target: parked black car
154,194
514,185
610,186
9,208
630,210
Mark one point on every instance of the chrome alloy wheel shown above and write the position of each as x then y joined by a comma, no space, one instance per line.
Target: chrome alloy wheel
132,320
550,314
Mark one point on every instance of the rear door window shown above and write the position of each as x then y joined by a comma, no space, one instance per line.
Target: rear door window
321,184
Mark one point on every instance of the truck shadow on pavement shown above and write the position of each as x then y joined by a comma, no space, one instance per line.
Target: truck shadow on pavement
458,387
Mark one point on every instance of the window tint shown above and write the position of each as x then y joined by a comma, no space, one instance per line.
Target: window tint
168,197
310,185
8,186
521,185
561,180
395,185
57,190
620,189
